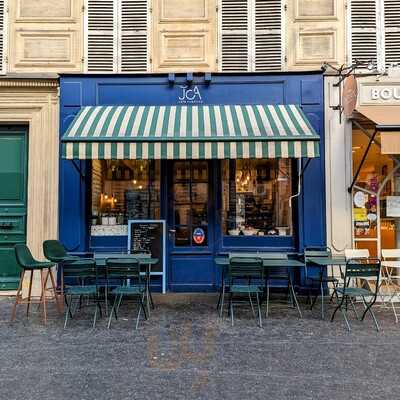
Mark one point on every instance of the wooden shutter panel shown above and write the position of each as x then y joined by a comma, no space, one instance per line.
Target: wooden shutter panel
3,30
134,33
101,37
392,32
268,39
363,30
234,35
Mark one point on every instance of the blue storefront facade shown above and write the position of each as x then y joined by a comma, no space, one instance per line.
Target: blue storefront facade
295,189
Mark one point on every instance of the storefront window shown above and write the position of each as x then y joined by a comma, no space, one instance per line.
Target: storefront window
124,190
376,197
256,196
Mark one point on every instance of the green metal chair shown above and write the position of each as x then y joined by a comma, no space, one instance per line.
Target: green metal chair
359,269
80,280
323,277
279,274
54,251
130,283
246,278
29,264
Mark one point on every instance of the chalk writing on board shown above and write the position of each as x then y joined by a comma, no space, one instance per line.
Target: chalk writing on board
147,237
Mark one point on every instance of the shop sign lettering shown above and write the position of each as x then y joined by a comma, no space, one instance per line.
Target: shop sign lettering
386,93
190,95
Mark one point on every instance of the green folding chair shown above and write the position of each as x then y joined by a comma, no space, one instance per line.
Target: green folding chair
80,281
359,269
322,278
246,279
126,272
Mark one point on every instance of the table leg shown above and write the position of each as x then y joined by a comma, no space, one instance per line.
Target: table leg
149,299
106,297
294,295
322,299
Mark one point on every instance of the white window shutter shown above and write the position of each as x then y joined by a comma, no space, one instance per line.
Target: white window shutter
234,35
134,30
392,32
101,35
363,31
3,36
268,35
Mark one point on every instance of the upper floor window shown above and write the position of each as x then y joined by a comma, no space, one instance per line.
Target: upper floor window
375,32
3,36
251,35
117,36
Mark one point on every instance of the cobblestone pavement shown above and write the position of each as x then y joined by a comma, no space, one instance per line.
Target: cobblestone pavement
185,352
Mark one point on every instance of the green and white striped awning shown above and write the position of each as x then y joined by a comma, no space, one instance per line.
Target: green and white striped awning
190,132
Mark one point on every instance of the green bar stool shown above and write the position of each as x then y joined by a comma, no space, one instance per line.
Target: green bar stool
30,265
54,251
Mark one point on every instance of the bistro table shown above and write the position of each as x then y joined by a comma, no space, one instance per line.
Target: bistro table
323,263
144,260
268,263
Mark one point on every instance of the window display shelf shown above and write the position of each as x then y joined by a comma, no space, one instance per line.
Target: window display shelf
109,230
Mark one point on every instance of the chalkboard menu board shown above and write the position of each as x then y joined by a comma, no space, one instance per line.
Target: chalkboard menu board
148,236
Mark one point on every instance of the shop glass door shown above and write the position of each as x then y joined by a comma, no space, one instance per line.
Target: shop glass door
190,226
376,215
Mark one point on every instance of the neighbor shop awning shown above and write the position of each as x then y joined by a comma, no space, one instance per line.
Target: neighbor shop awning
387,120
190,132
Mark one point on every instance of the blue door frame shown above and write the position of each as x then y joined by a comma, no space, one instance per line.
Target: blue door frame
305,89
192,267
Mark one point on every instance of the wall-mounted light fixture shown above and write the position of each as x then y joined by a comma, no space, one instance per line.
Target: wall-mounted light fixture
189,78
171,79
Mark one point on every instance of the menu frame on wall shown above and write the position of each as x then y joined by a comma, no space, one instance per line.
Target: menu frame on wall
163,246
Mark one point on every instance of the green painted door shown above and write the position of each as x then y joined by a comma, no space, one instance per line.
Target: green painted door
13,200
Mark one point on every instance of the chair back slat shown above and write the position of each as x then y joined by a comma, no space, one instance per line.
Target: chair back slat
317,252
119,256
87,270
314,252
246,268
273,255
123,268
80,274
363,268
393,254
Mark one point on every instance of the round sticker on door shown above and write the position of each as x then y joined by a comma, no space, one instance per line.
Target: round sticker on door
199,236
360,199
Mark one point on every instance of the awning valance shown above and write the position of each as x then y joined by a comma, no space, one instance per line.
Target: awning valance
381,115
190,132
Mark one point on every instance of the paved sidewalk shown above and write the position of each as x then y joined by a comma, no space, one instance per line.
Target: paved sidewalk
185,352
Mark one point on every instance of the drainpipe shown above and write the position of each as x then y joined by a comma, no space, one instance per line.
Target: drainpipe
298,184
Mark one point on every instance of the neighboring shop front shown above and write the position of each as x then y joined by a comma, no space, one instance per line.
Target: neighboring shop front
28,169
369,143
231,163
